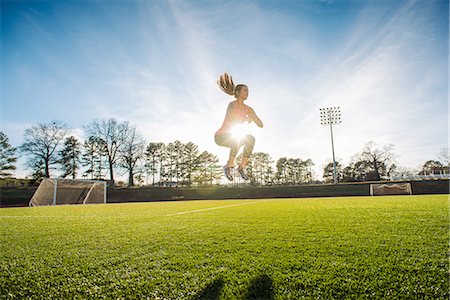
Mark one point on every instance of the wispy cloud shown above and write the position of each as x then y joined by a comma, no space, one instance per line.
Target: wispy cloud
154,64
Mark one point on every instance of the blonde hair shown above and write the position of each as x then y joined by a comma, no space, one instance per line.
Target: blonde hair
226,84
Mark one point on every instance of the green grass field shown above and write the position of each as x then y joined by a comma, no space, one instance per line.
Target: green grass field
359,247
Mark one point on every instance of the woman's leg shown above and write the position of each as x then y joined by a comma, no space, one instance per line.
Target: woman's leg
249,143
243,163
231,158
226,140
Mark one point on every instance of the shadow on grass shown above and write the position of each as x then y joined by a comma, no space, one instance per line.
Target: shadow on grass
211,291
261,288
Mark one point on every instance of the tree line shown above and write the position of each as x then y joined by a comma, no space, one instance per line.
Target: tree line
113,147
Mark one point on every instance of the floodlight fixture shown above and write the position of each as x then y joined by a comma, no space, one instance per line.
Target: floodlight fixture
331,116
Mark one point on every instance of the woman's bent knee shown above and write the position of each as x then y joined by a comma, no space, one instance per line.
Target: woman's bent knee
249,138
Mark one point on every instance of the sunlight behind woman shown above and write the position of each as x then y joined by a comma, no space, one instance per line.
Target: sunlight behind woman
238,131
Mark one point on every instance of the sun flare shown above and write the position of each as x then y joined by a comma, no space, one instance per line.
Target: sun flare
239,131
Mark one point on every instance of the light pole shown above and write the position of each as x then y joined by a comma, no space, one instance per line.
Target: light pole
331,116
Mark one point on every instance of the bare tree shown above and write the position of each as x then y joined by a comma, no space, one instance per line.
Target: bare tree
7,156
372,164
404,172
41,144
131,152
378,159
113,134
444,156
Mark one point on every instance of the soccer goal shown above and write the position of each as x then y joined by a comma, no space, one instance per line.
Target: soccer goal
55,191
390,189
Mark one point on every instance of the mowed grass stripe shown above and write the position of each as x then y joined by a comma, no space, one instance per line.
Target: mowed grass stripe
214,208
373,247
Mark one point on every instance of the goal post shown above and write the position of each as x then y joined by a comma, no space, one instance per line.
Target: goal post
390,189
56,191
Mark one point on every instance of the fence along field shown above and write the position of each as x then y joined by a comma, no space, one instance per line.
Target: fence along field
20,196
373,247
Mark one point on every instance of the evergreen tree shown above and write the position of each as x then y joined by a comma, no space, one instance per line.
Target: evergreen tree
191,160
93,157
70,157
328,172
207,170
38,172
281,174
7,156
152,156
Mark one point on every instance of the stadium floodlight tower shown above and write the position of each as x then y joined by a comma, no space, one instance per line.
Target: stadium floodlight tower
331,116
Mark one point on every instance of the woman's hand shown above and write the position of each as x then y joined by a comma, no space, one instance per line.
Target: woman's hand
258,121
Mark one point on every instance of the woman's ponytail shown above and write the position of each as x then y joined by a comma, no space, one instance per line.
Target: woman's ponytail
226,84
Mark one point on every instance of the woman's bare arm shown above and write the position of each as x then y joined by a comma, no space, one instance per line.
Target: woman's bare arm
253,117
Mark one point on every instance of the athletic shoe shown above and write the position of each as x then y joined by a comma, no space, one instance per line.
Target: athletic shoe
227,172
243,175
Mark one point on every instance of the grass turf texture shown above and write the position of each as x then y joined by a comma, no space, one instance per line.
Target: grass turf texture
367,247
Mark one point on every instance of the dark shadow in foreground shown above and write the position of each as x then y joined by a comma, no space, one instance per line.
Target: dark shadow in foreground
211,291
261,288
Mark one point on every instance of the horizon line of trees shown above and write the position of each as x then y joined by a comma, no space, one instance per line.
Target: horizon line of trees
113,146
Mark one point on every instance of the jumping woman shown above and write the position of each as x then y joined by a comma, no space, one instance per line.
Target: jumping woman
237,113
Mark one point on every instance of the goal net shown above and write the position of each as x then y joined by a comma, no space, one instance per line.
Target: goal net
390,189
53,191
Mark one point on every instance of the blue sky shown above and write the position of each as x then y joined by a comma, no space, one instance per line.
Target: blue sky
154,64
